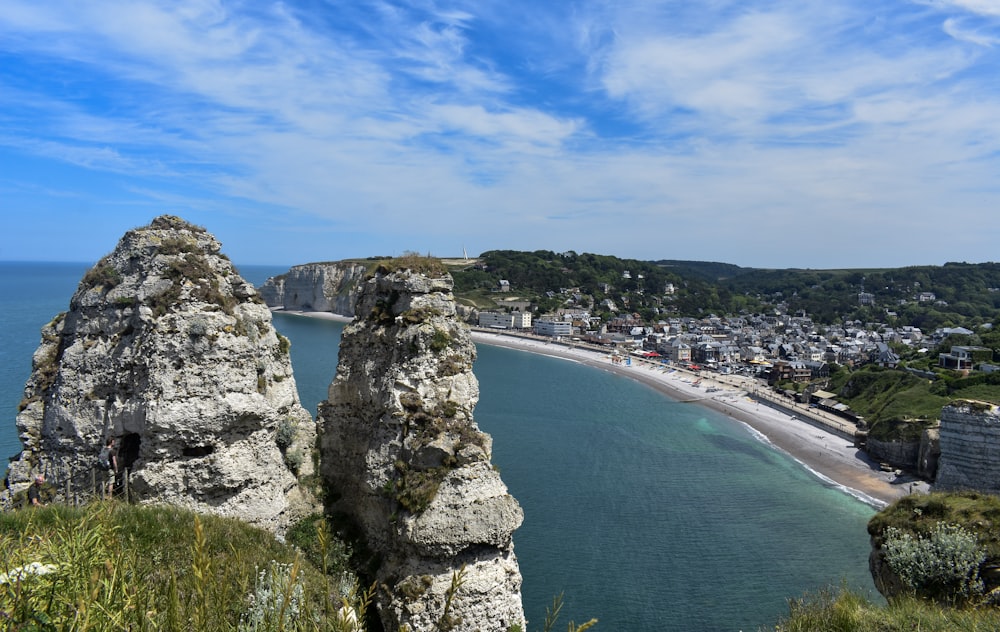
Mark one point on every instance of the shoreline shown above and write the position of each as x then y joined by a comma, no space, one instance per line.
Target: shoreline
828,455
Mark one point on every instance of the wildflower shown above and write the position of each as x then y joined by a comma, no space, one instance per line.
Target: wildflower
23,572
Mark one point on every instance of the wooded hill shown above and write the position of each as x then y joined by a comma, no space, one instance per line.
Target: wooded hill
895,402
928,297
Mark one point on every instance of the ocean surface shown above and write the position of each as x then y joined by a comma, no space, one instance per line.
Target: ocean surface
644,513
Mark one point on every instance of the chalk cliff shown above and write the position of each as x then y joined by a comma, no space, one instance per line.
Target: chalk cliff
168,349
970,447
316,287
404,460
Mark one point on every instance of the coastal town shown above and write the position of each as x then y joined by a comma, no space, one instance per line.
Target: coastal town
779,359
777,348
869,375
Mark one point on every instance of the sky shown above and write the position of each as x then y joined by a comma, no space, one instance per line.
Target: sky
833,134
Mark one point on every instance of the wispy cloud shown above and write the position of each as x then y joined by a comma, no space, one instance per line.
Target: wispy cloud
614,128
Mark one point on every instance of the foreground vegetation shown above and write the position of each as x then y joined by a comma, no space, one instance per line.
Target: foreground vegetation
113,566
847,611
944,549
918,514
110,566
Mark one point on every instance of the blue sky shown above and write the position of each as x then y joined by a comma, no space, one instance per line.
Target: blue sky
768,134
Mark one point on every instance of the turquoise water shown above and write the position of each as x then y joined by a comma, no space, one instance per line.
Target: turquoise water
645,513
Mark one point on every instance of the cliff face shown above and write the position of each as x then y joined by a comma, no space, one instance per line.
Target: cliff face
316,287
168,349
406,462
970,447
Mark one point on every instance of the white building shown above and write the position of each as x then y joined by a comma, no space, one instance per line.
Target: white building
554,328
505,320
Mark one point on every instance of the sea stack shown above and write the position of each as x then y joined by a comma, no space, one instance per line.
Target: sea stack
166,348
405,464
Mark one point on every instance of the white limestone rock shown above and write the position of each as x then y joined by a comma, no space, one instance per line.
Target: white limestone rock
970,447
403,458
168,349
316,287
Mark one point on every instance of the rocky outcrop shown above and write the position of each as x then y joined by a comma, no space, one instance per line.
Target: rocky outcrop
316,287
970,447
408,466
168,349
919,457
898,453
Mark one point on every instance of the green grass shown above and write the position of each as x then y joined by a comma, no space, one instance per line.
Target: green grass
479,298
980,392
427,265
898,405
118,567
846,611
112,566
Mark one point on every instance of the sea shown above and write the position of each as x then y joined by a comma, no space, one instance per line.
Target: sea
640,511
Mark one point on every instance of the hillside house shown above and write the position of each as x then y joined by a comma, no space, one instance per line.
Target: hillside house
962,358
884,357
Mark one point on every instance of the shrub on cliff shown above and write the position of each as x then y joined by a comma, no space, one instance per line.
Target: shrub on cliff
917,514
942,565
943,547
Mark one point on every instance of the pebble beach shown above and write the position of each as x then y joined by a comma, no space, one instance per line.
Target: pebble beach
829,454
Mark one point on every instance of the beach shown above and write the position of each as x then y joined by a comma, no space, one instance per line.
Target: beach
829,454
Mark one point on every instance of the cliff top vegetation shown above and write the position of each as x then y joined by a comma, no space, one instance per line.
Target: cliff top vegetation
918,513
965,294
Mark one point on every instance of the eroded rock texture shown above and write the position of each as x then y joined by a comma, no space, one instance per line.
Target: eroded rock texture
405,462
168,349
970,447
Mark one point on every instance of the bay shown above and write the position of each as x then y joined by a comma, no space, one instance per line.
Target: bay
645,513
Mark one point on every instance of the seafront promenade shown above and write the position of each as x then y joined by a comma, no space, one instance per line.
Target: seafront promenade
754,388
820,441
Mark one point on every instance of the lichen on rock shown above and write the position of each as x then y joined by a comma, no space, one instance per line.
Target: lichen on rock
167,348
404,461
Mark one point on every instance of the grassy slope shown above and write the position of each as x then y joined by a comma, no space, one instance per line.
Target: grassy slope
117,566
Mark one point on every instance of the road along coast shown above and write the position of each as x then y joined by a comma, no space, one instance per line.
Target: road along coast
829,454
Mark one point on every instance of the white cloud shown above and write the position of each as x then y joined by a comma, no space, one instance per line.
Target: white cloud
698,123
979,7
955,28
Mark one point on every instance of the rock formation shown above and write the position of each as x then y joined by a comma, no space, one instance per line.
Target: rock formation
404,461
316,287
970,447
168,349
